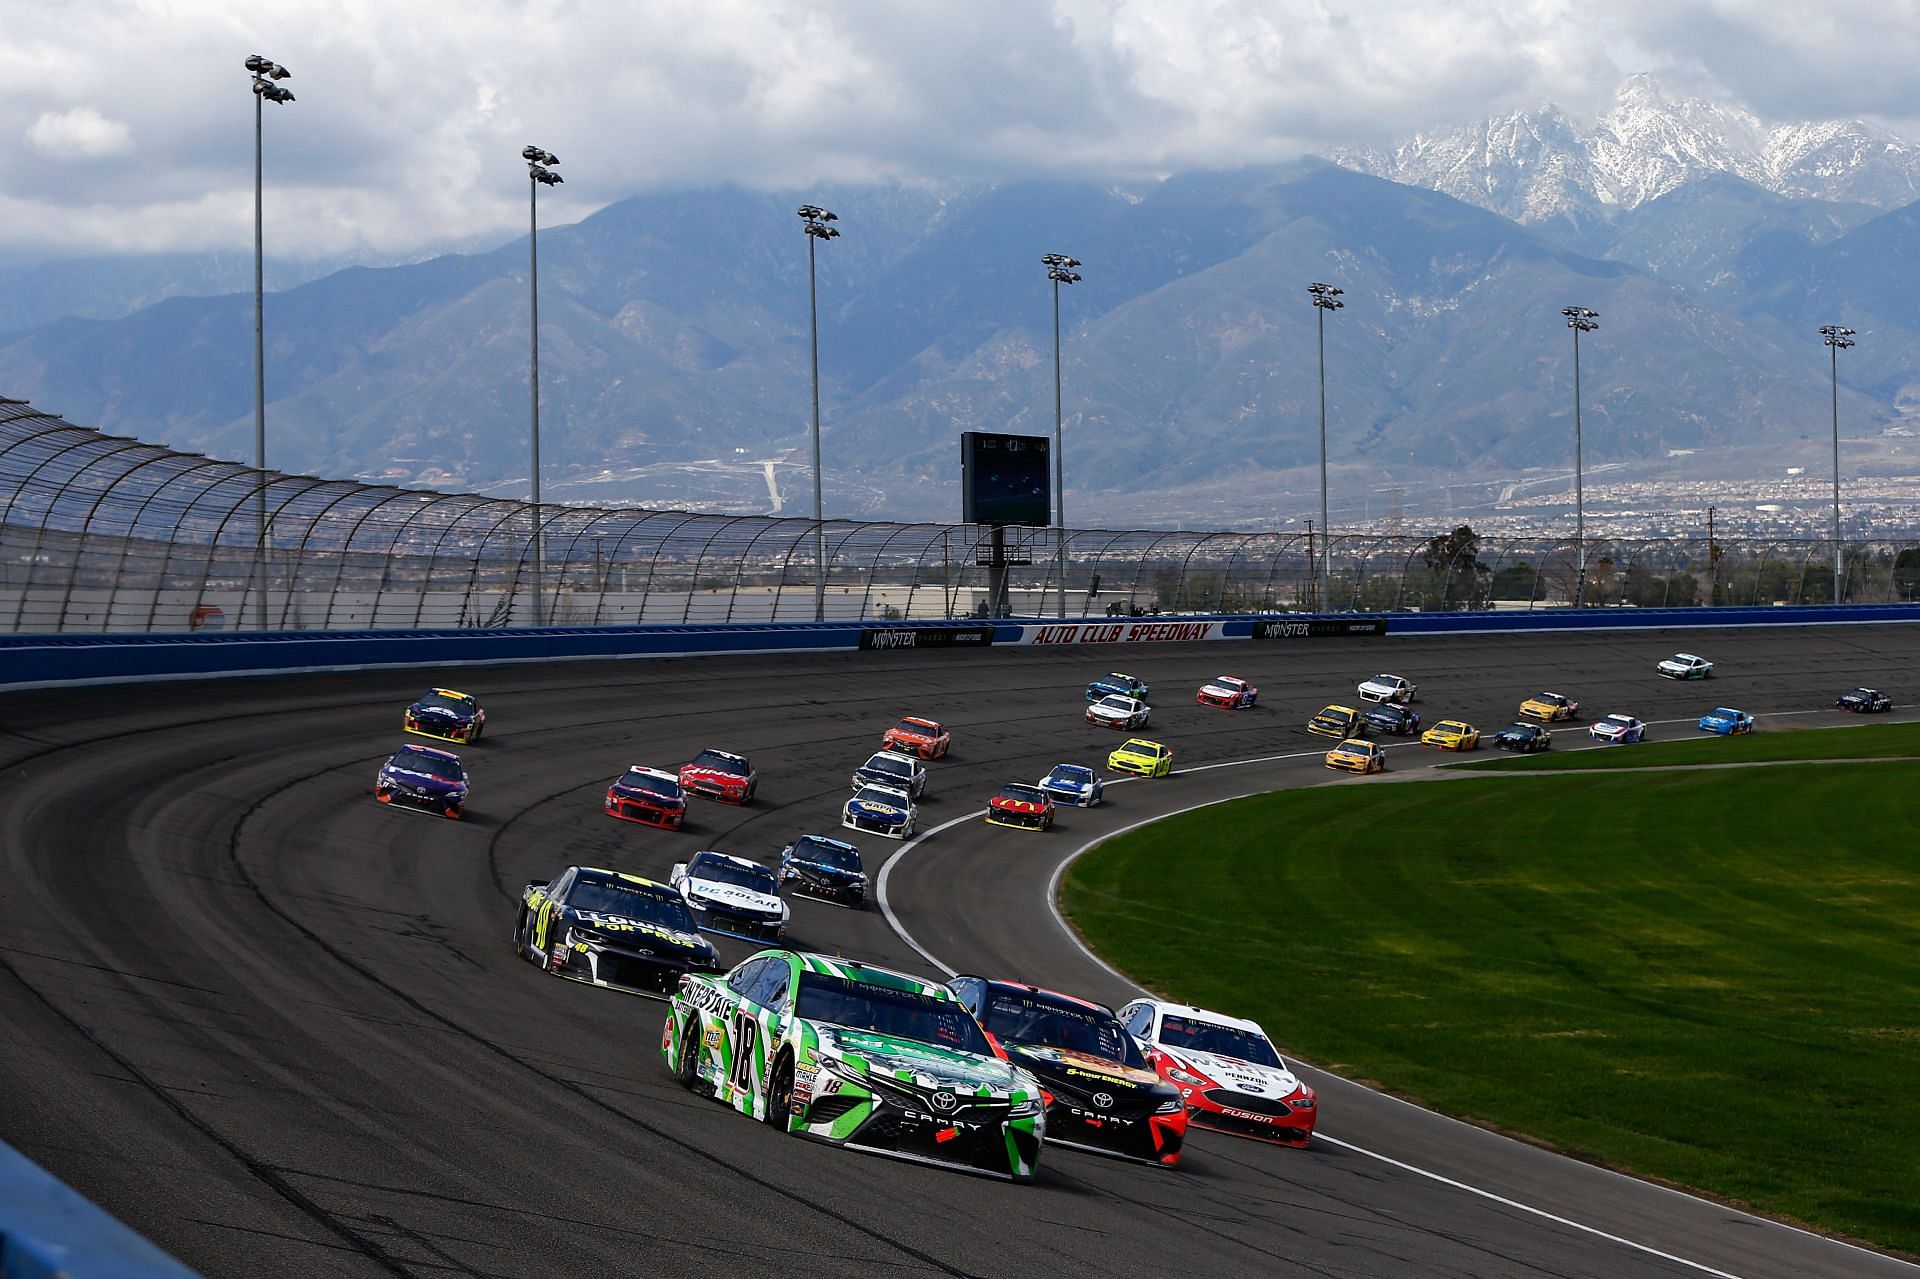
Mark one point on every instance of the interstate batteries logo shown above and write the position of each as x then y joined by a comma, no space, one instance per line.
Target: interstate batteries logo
926,637
1319,627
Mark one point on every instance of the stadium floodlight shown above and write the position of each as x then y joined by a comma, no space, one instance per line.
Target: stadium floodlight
1325,298
539,174
1580,320
1060,271
1838,339
266,73
816,219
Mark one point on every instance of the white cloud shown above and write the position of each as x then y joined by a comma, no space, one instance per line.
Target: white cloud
81,133
410,117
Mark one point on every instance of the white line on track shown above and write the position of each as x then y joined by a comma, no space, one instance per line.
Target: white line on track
1066,929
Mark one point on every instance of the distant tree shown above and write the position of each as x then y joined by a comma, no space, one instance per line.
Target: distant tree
1906,573
1517,581
1455,576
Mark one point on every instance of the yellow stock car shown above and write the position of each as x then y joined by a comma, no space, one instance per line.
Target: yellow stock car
1452,735
1336,721
1138,755
1358,756
1550,707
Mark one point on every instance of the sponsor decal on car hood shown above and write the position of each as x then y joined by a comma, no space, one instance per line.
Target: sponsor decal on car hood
1073,1062
734,895
1242,1076
927,1066
639,927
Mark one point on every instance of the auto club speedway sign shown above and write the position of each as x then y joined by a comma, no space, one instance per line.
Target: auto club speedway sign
1129,632
1147,632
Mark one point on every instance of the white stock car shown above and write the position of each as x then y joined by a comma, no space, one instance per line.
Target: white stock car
1115,711
1618,729
731,896
892,768
881,810
1232,1076
1685,666
1388,688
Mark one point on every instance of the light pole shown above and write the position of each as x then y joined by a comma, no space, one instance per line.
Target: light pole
1325,298
265,74
1580,320
1837,339
816,219
539,174
1060,271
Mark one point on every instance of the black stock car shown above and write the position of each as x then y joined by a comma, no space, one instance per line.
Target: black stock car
1524,738
1101,1093
609,929
1864,701
826,868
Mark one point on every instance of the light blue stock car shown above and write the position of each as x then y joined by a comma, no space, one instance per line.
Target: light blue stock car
1726,721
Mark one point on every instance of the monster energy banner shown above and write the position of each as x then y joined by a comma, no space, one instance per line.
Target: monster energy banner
1319,627
927,637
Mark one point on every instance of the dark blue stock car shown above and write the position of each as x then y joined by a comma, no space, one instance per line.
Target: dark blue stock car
826,868
423,777
1117,682
1391,717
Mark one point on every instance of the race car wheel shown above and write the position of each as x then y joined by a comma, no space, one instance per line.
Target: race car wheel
687,1068
780,1093
520,933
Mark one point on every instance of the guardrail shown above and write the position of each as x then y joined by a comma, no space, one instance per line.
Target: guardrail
48,1231
43,661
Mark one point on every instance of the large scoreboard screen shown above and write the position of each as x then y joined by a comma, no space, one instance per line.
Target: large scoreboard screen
1006,479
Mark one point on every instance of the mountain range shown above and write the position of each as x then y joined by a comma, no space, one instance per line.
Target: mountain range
675,340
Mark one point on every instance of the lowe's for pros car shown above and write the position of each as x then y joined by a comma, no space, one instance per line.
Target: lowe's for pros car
857,1056
609,929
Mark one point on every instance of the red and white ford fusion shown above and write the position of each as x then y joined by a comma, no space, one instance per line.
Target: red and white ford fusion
1229,691
1232,1076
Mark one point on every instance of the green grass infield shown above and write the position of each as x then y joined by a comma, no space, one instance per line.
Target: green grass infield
1710,978
1684,744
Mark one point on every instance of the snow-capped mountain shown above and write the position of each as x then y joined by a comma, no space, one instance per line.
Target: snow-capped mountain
1538,165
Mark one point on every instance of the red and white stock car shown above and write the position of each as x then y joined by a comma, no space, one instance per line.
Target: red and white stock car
720,775
1232,1076
1229,691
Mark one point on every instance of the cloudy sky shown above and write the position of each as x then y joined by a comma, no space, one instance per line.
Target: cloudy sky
126,125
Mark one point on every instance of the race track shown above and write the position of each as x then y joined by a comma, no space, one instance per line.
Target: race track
279,1029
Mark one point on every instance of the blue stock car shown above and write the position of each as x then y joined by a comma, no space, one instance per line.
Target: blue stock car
1391,717
1117,682
1075,785
1726,721
423,777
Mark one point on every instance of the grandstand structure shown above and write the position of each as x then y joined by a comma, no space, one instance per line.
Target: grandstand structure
103,534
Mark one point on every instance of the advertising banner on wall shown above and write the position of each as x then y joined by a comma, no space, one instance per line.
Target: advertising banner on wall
1318,627
1131,631
919,637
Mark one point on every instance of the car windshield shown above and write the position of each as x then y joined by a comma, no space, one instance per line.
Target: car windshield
827,852
1125,681
1229,683
863,1005
441,702
892,767
647,904
665,787
1333,716
1070,775
1385,679
1026,794
1450,726
1142,748
447,770
1222,1041
1723,713
879,795
1115,702
1624,721
720,761
913,728
726,871
1861,692
1018,1017
1520,730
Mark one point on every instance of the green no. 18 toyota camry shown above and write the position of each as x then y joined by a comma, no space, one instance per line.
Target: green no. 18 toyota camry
857,1056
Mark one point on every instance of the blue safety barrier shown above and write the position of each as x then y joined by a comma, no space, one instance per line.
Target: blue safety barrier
35,661
47,1231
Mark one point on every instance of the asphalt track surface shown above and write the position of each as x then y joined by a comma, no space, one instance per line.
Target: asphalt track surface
279,1028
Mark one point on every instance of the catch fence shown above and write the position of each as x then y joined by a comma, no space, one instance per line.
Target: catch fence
100,534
